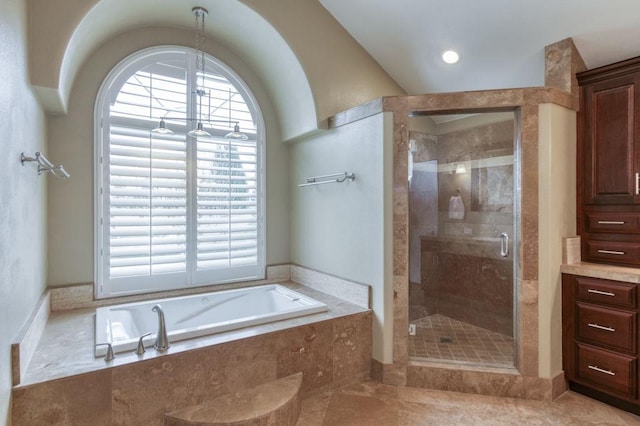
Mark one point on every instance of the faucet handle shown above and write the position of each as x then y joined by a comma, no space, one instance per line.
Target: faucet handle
140,350
110,356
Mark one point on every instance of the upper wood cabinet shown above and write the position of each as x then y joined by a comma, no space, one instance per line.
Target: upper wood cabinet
609,163
610,140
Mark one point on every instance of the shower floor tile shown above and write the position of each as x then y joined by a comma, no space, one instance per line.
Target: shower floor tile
440,338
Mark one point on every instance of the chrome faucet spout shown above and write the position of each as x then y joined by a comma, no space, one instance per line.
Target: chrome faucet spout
162,340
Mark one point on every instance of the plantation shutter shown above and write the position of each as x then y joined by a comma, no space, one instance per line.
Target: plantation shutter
227,203
177,211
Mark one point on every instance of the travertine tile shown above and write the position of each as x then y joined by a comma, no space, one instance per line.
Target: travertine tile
314,409
145,391
279,272
464,343
435,378
352,345
356,113
26,342
528,324
376,370
411,406
357,410
308,349
395,374
558,385
77,400
486,383
562,62
274,403
529,192
350,291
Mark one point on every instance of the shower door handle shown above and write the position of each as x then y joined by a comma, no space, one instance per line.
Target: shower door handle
504,244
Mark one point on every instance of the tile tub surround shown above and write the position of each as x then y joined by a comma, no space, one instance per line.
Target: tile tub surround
76,296
330,349
26,342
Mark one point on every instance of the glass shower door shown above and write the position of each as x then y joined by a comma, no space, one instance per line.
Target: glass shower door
461,258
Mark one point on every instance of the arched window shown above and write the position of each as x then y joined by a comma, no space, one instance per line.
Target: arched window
175,210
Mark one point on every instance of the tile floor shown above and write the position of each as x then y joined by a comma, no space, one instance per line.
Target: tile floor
440,338
374,404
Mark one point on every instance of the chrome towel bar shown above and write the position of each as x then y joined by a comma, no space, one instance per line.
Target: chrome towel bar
45,166
332,178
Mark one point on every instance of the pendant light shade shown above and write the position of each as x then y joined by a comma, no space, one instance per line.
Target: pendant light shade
199,131
236,134
162,128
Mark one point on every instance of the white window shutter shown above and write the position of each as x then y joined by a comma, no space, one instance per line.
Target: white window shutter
177,215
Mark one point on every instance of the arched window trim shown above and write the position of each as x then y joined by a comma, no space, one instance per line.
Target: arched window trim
106,95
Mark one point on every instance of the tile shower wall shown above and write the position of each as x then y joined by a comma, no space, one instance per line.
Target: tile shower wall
470,283
463,279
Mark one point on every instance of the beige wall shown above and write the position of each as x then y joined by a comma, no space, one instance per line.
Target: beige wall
70,138
557,219
312,66
345,229
22,191
341,73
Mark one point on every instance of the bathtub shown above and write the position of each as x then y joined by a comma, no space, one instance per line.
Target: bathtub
199,315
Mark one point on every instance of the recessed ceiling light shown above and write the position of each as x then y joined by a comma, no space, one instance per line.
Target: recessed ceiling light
450,56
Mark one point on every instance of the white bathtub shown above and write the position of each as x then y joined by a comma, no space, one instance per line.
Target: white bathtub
198,315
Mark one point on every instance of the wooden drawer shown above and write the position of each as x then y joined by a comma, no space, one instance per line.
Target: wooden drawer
615,223
608,292
609,371
606,327
613,252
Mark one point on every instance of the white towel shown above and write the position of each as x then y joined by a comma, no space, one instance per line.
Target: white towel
456,207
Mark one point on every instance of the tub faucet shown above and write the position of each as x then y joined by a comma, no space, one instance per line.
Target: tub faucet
162,340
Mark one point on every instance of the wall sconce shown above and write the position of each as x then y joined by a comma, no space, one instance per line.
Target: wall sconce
461,168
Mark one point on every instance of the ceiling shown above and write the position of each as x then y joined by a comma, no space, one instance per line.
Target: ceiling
501,42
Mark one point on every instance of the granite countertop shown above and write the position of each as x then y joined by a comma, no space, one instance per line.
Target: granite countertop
66,347
607,272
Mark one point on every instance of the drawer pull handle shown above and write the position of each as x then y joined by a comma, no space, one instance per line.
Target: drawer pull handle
602,293
637,183
601,370
601,327
617,253
610,222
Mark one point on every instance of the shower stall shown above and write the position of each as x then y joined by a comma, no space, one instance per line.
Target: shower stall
462,227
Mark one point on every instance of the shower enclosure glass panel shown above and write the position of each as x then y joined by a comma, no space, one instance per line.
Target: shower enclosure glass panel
462,206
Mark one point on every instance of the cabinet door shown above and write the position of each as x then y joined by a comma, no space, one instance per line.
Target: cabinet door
611,160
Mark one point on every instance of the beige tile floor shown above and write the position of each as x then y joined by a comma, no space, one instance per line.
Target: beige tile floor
374,404
440,338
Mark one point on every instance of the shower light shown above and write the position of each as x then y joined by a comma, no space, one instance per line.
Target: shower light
461,169
450,57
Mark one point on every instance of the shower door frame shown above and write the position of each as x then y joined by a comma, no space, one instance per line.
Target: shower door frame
514,256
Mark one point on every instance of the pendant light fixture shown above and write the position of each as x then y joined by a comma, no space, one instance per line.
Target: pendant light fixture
235,134
200,13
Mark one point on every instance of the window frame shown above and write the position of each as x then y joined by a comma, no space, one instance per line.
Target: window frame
109,89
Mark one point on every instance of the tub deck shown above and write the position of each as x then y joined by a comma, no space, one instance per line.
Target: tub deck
66,347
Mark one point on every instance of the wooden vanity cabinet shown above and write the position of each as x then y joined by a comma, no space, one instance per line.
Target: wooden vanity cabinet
600,339
609,163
